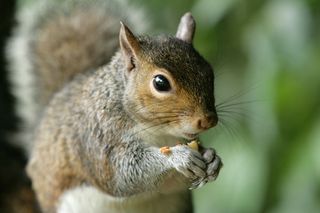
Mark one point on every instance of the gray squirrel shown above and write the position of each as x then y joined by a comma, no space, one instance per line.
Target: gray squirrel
104,109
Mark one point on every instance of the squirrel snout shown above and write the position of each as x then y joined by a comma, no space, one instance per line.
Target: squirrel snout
207,121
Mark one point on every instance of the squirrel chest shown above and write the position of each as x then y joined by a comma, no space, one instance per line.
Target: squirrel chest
86,199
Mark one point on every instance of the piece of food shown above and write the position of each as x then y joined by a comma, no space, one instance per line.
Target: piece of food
165,150
194,145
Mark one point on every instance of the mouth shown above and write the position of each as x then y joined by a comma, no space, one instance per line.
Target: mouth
190,136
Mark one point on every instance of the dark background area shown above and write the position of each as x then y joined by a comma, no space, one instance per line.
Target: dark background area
15,194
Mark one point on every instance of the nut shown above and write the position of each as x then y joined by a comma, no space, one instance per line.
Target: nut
194,145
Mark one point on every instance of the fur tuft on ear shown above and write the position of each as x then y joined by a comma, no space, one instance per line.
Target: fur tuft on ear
129,46
186,28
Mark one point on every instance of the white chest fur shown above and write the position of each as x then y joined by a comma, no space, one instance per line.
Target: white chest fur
87,199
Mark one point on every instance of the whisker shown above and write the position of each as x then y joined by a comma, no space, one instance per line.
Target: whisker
230,129
225,128
237,95
152,126
231,103
231,113
157,112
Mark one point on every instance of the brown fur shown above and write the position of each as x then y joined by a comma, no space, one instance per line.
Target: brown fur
65,47
87,133
62,157
159,106
183,66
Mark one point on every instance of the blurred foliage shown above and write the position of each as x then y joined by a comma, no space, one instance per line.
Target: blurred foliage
266,56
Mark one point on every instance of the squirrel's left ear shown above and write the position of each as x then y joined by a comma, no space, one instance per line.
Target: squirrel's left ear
186,28
129,46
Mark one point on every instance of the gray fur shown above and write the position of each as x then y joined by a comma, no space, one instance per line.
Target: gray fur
186,28
24,75
87,128
95,127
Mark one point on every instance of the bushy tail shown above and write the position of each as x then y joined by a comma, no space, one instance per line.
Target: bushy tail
55,40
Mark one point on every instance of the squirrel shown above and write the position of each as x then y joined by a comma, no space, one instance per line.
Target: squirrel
107,103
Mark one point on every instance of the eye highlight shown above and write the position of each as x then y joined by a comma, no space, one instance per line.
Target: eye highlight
161,83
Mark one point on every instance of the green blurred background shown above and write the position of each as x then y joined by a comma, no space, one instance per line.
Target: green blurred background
266,56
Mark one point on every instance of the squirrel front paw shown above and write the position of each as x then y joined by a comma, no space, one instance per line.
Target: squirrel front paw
199,166
189,162
213,166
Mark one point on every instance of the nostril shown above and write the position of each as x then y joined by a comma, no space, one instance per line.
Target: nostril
210,120
207,121
199,124
204,123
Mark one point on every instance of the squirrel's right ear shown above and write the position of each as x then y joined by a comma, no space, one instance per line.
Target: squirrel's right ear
186,28
129,46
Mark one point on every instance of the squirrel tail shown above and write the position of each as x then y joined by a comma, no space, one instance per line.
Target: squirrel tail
55,40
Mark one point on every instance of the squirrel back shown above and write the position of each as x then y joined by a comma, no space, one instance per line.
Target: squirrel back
53,42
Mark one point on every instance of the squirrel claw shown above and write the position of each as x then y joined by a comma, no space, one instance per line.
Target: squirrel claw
213,166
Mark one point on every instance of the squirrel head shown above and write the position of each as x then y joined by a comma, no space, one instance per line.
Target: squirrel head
169,85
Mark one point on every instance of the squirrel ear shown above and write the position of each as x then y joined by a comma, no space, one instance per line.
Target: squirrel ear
129,46
186,28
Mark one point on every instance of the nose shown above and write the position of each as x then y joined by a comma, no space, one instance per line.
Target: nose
207,121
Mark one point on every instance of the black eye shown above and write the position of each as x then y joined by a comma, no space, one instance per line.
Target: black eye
161,83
